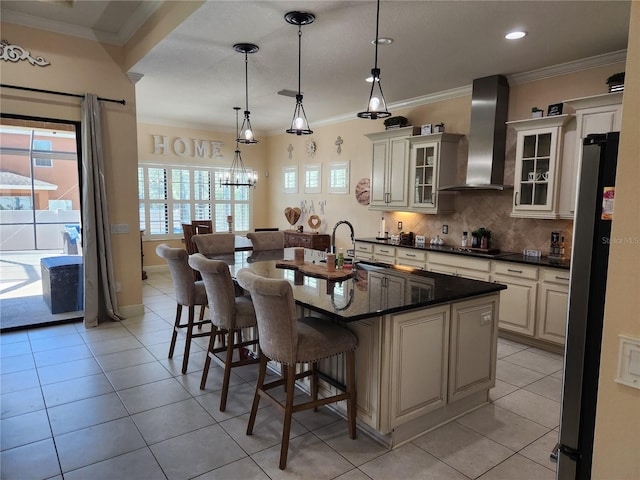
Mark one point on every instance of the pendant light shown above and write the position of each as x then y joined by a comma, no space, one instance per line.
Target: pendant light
377,106
238,175
246,132
299,123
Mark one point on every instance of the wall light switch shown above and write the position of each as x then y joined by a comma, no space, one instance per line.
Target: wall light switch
629,361
119,228
399,225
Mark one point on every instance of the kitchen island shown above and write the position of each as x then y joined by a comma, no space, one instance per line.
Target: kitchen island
426,341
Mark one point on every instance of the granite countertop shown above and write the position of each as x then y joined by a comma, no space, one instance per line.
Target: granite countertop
373,290
543,261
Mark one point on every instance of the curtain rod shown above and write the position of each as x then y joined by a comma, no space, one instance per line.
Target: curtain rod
53,92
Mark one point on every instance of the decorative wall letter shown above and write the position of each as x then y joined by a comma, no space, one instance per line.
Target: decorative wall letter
159,145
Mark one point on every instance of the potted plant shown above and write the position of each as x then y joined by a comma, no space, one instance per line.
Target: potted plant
438,128
395,122
616,82
536,112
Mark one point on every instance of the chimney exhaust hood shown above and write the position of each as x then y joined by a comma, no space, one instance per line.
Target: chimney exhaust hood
487,135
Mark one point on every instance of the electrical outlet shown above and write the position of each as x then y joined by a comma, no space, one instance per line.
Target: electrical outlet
399,225
445,229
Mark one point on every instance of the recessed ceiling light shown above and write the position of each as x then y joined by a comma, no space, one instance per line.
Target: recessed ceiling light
383,41
515,35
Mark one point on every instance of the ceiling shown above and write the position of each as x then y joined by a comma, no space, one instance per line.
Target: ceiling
194,78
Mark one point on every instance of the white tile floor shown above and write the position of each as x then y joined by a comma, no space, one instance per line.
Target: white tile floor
106,403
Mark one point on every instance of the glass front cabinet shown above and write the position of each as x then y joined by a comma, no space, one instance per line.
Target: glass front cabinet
538,165
433,164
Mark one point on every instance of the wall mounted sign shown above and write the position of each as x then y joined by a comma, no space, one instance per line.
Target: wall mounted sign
191,147
15,53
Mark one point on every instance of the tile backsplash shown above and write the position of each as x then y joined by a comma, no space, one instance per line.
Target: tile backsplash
489,209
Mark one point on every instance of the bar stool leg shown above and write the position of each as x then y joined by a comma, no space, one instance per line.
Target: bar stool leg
207,361
256,398
176,326
187,347
288,413
227,370
351,390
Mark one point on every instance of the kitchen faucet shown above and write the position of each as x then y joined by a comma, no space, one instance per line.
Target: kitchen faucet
333,235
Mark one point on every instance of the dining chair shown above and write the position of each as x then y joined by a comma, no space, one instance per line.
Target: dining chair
230,316
188,293
269,240
188,232
289,340
202,226
213,243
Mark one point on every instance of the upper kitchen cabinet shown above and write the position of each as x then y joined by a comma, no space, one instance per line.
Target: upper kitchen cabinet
596,114
433,164
539,146
390,168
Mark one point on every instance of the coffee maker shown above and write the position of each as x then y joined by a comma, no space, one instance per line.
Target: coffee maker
556,247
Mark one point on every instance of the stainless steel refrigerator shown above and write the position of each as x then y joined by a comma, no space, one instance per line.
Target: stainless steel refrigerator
587,288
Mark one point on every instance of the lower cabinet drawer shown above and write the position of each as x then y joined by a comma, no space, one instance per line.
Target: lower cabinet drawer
516,270
411,254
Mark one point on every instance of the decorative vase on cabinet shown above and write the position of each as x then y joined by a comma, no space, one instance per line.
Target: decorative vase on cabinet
537,170
389,168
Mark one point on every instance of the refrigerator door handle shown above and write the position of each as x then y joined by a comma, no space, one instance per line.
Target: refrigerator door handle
572,453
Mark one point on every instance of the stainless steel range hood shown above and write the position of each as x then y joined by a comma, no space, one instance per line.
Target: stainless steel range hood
487,135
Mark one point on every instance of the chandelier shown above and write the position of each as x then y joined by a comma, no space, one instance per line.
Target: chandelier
377,107
238,176
246,132
299,123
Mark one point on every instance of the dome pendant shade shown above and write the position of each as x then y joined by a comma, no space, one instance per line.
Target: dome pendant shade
246,135
299,123
376,106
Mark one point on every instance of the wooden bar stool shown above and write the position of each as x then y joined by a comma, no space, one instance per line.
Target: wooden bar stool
230,315
290,341
189,293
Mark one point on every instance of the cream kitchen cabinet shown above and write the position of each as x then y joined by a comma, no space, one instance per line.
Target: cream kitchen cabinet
433,164
474,337
553,305
390,168
459,265
539,144
417,338
518,302
384,254
363,251
596,114
411,257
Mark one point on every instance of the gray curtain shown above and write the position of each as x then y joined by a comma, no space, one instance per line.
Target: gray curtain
100,300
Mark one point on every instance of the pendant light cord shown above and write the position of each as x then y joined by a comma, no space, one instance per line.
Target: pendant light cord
246,82
377,25
299,56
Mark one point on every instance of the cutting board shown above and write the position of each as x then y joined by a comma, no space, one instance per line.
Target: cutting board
318,270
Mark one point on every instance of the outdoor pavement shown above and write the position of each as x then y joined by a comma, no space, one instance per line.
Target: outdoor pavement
21,301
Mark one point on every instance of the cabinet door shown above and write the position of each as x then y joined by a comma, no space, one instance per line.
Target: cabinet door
535,170
423,176
419,363
603,119
552,313
368,368
398,171
517,305
379,167
474,337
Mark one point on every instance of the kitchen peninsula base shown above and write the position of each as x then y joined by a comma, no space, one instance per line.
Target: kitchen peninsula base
419,369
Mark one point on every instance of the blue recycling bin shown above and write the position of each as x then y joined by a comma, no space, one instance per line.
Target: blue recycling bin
63,283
